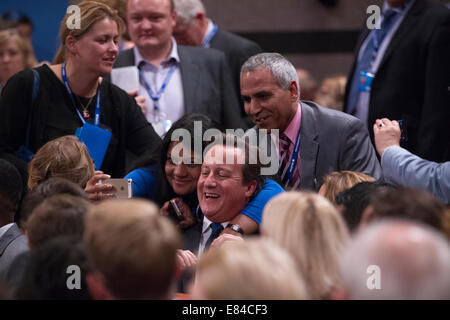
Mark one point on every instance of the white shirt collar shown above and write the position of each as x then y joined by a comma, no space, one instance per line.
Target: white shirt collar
207,223
138,58
208,29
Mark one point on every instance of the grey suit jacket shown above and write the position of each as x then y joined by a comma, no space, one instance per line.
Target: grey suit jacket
332,141
12,244
404,168
207,84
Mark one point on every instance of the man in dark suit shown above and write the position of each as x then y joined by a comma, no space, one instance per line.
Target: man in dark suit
408,59
313,140
227,183
193,28
176,80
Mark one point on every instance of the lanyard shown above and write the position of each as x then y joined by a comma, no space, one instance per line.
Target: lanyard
158,95
209,36
294,156
376,41
97,106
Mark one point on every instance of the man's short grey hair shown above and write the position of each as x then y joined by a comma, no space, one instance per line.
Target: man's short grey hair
282,70
413,262
187,10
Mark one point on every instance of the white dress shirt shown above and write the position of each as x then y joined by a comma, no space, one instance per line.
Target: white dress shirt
171,103
206,232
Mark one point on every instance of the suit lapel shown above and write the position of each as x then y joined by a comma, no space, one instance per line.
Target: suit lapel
408,24
190,73
9,236
362,37
309,147
125,59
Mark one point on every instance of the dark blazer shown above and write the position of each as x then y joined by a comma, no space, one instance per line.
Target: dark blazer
12,244
413,80
191,241
330,141
207,84
237,50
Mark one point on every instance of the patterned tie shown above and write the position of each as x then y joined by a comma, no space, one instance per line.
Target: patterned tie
284,164
369,55
216,229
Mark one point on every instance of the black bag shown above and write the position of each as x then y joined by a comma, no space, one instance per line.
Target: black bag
24,152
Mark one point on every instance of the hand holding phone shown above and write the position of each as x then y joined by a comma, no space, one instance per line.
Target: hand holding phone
97,192
123,188
179,212
175,212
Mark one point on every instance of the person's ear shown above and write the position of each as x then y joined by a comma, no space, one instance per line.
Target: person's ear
293,89
251,187
173,16
71,44
96,286
366,217
200,17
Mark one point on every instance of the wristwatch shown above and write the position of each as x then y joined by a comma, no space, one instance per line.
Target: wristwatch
235,228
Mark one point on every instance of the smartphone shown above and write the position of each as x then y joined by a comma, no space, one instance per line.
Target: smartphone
175,212
123,187
404,134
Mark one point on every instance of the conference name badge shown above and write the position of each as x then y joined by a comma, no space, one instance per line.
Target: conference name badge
365,81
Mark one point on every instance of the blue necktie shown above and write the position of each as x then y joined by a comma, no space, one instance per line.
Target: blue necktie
216,229
369,55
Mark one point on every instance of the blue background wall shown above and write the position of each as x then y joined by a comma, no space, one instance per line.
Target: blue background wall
46,16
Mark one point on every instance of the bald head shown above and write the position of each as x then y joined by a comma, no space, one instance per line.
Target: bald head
412,261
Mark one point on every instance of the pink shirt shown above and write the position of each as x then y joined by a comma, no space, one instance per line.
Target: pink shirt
292,130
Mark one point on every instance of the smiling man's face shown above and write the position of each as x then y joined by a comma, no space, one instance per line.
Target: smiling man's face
269,106
221,190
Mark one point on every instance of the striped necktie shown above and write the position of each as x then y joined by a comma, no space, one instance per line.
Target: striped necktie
285,157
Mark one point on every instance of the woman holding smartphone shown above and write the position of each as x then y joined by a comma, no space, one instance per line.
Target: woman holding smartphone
167,178
72,94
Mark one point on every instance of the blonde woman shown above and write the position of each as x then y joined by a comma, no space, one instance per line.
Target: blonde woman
72,94
338,181
256,269
65,157
16,54
313,232
331,92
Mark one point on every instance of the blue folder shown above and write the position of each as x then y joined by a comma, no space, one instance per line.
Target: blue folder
96,140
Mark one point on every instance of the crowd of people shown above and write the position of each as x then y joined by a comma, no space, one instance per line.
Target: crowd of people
249,180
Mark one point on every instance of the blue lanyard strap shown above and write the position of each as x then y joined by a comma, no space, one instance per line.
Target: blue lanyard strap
294,156
209,36
97,106
379,34
157,96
